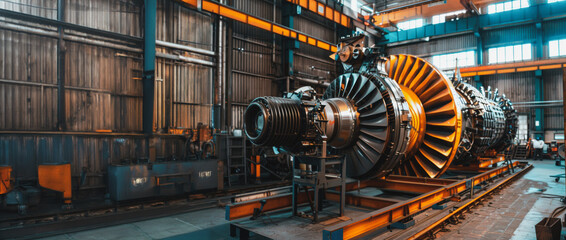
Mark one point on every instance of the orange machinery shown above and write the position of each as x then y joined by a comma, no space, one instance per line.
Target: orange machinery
5,179
56,177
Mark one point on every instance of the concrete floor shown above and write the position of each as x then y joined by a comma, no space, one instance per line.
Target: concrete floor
514,212
511,214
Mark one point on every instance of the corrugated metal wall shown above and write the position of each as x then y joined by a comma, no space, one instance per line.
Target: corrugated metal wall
184,91
553,83
509,36
28,78
103,82
104,90
555,28
311,61
437,46
256,59
253,74
518,87
115,16
44,8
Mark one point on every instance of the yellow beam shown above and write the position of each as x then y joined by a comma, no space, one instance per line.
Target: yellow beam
323,10
514,67
240,16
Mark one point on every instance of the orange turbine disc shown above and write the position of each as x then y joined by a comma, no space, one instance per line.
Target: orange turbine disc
443,115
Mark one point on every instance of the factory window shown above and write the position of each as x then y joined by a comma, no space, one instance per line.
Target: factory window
508,6
514,53
553,1
415,23
557,48
448,61
442,17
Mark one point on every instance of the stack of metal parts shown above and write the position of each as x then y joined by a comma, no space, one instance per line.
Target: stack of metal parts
396,114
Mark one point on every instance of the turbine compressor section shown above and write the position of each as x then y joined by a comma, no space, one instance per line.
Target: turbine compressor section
386,115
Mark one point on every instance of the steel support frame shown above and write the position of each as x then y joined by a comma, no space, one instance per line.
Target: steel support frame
539,83
228,67
61,119
148,99
150,19
394,213
289,44
388,210
442,189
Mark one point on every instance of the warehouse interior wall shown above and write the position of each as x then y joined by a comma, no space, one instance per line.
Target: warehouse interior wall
519,86
71,91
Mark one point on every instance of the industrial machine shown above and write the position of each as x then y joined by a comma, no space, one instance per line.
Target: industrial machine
144,180
20,196
398,114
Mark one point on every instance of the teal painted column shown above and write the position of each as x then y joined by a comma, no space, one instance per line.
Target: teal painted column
539,112
479,53
149,65
539,82
289,45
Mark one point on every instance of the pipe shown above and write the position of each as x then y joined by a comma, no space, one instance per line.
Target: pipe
253,74
185,48
314,58
185,59
541,106
312,81
45,33
539,102
220,71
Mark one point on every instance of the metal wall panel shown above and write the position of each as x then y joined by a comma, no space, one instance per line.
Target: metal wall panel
26,57
307,65
192,96
183,91
182,25
518,87
238,116
122,16
315,29
28,94
253,56
103,89
42,8
253,74
553,82
253,50
259,8
437,46
246,88
262,9
510,35
554,29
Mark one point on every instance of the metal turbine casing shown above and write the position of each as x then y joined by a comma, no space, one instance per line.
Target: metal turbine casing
490,123
402,115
